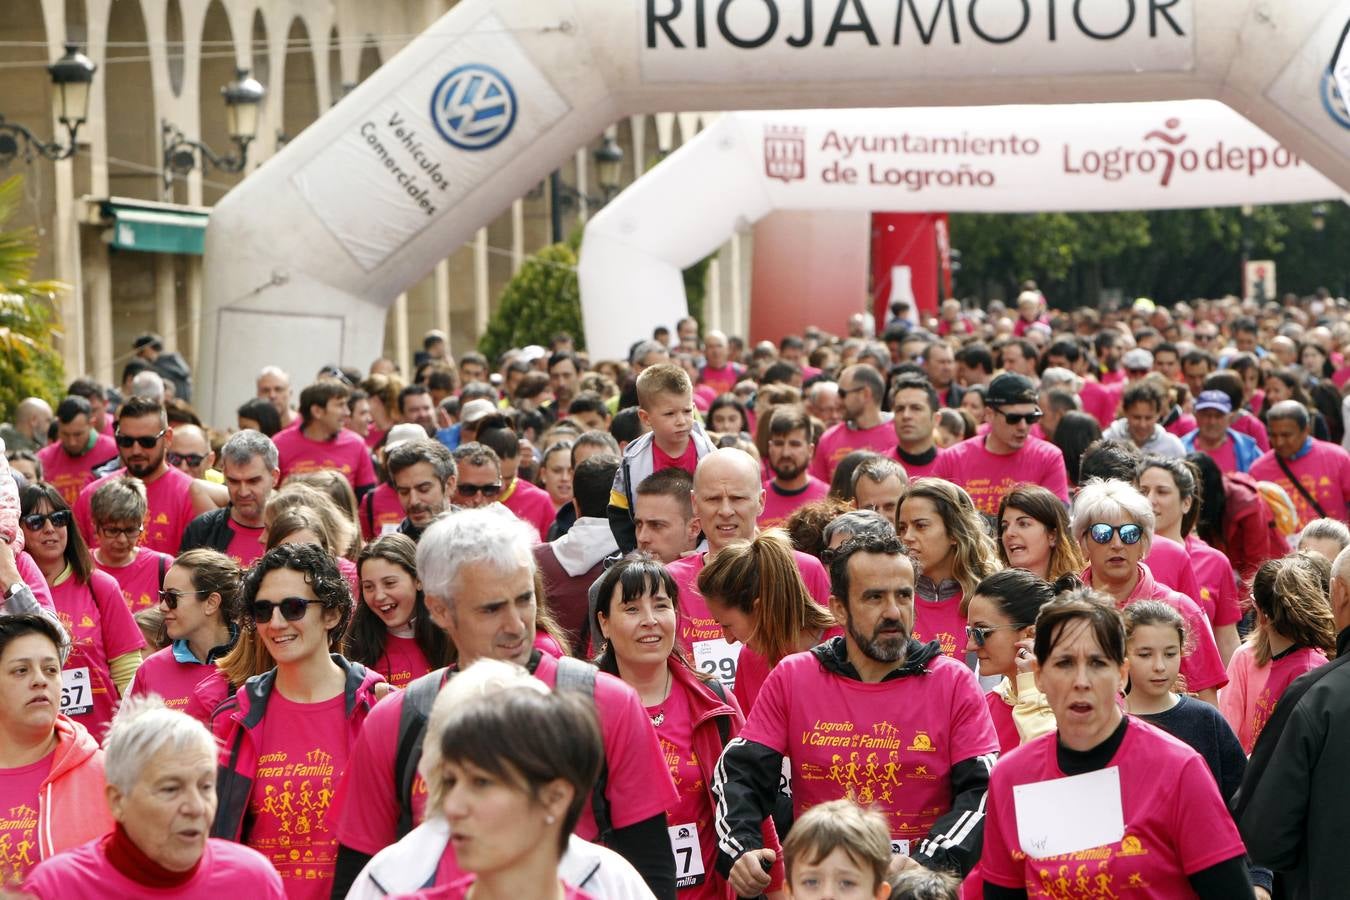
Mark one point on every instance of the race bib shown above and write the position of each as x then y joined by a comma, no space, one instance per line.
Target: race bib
899,848
717,657
389,529
77,697
688,855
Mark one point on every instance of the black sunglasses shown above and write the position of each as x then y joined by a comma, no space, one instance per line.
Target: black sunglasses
171,599
1030,418
488,490
192,459
34,521
125,440
292,609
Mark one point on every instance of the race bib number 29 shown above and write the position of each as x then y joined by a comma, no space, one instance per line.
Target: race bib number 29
77,697
718,658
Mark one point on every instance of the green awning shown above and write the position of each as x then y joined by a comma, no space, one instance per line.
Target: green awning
156,230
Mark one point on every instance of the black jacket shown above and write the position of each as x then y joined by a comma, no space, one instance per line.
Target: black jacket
746,782
172,367
1291,808
210,530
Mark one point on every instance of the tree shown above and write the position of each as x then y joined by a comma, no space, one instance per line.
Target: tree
29,365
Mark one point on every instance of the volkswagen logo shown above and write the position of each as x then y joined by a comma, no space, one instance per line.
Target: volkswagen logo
473,107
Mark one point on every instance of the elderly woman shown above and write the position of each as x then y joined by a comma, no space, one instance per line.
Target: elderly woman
1114,524
161,771
1179,840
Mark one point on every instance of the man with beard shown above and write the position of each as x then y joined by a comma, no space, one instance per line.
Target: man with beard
423,474
173,498
250,463
873,715
865,426
790,451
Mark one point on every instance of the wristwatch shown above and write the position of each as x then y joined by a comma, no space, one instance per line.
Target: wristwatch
14,589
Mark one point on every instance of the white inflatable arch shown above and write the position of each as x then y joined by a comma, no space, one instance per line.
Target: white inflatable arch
305,256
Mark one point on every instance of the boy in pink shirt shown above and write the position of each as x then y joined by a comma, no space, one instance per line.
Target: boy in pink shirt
322,440
118,510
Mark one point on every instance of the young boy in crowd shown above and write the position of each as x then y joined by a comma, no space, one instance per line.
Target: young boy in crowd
676,440
836,845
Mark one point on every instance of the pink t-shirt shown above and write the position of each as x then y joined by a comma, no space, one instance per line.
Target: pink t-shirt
1218,584
246,546
459,890
914,470
701,636
889,745
1009,738
722,380
402,661
381,512
688,460
988,476
1100,401
302,753
840,440
190,687
345,452
31,575
778,506
1175,824
19,787
101,629
531,504
226,869
1324,472
140,579
1250,425
638,788
941,621
752,669
69,474
1222,455
1170,564
1183,425
168,510
1249,699
694,809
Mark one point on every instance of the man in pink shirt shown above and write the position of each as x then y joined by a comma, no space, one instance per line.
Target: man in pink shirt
68,465
249,463
719,372
865,427
914,403
790,451
1315,474
173,498
988,467
322,441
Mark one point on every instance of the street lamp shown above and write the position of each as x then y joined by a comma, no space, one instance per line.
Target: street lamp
71,76
243,97
1319,216
608,166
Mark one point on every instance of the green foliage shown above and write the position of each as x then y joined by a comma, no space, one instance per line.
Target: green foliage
29,366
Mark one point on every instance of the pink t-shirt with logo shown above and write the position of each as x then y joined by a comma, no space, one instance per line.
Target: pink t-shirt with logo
531,504
778,506
1249,699
1324,472
19,787
987,476
191,688
1175,823
227,869
302,753
402,661
889,745
246,546
140,579
101,629
69,474
345,452
941,621
1218,584
693,812
168,510
840,440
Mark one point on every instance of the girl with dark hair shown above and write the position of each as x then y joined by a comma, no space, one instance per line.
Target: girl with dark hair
105,640
391,631
637,609
1075,432
1033,530
288,732
727,415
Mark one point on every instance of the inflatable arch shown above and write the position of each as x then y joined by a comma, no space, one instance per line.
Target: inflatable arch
305,256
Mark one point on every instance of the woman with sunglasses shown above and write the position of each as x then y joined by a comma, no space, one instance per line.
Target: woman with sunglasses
1033,531
198,602
391,631
1114,524
287,733
105,640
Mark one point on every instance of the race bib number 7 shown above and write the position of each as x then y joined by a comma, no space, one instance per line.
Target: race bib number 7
688,855
77,697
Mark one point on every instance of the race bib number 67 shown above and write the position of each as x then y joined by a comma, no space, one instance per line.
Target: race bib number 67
77,697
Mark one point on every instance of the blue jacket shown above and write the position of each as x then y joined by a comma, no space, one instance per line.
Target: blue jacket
1245,449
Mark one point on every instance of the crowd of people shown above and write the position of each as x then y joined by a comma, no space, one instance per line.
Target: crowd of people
1000,602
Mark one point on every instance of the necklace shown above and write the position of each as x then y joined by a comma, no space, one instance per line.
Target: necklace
659,719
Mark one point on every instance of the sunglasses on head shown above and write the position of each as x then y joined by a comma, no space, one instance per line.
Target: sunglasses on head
192,459
125,441
1102,532
487,490
292,609
35,521
171,599
1031,418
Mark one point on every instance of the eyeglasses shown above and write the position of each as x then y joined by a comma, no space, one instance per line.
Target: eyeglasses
980,635
292,609
171,599
35,521
1031,418
1102,532
129,533
147,442
488,490
192,459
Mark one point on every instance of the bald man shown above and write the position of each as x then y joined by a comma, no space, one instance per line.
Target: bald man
274,386
728,498
32,418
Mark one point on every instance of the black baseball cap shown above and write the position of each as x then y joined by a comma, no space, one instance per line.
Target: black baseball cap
1010,388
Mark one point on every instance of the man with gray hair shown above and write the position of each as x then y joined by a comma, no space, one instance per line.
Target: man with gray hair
274,386
250,464
478,577
423,474
1291,806
878,484
823,403
861,523
1315,474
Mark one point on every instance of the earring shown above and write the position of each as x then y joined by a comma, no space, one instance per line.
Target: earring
550,819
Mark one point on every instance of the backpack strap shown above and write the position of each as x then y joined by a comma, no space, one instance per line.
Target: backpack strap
579,676
418,698
368,507
723,725
162,567
1298,485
